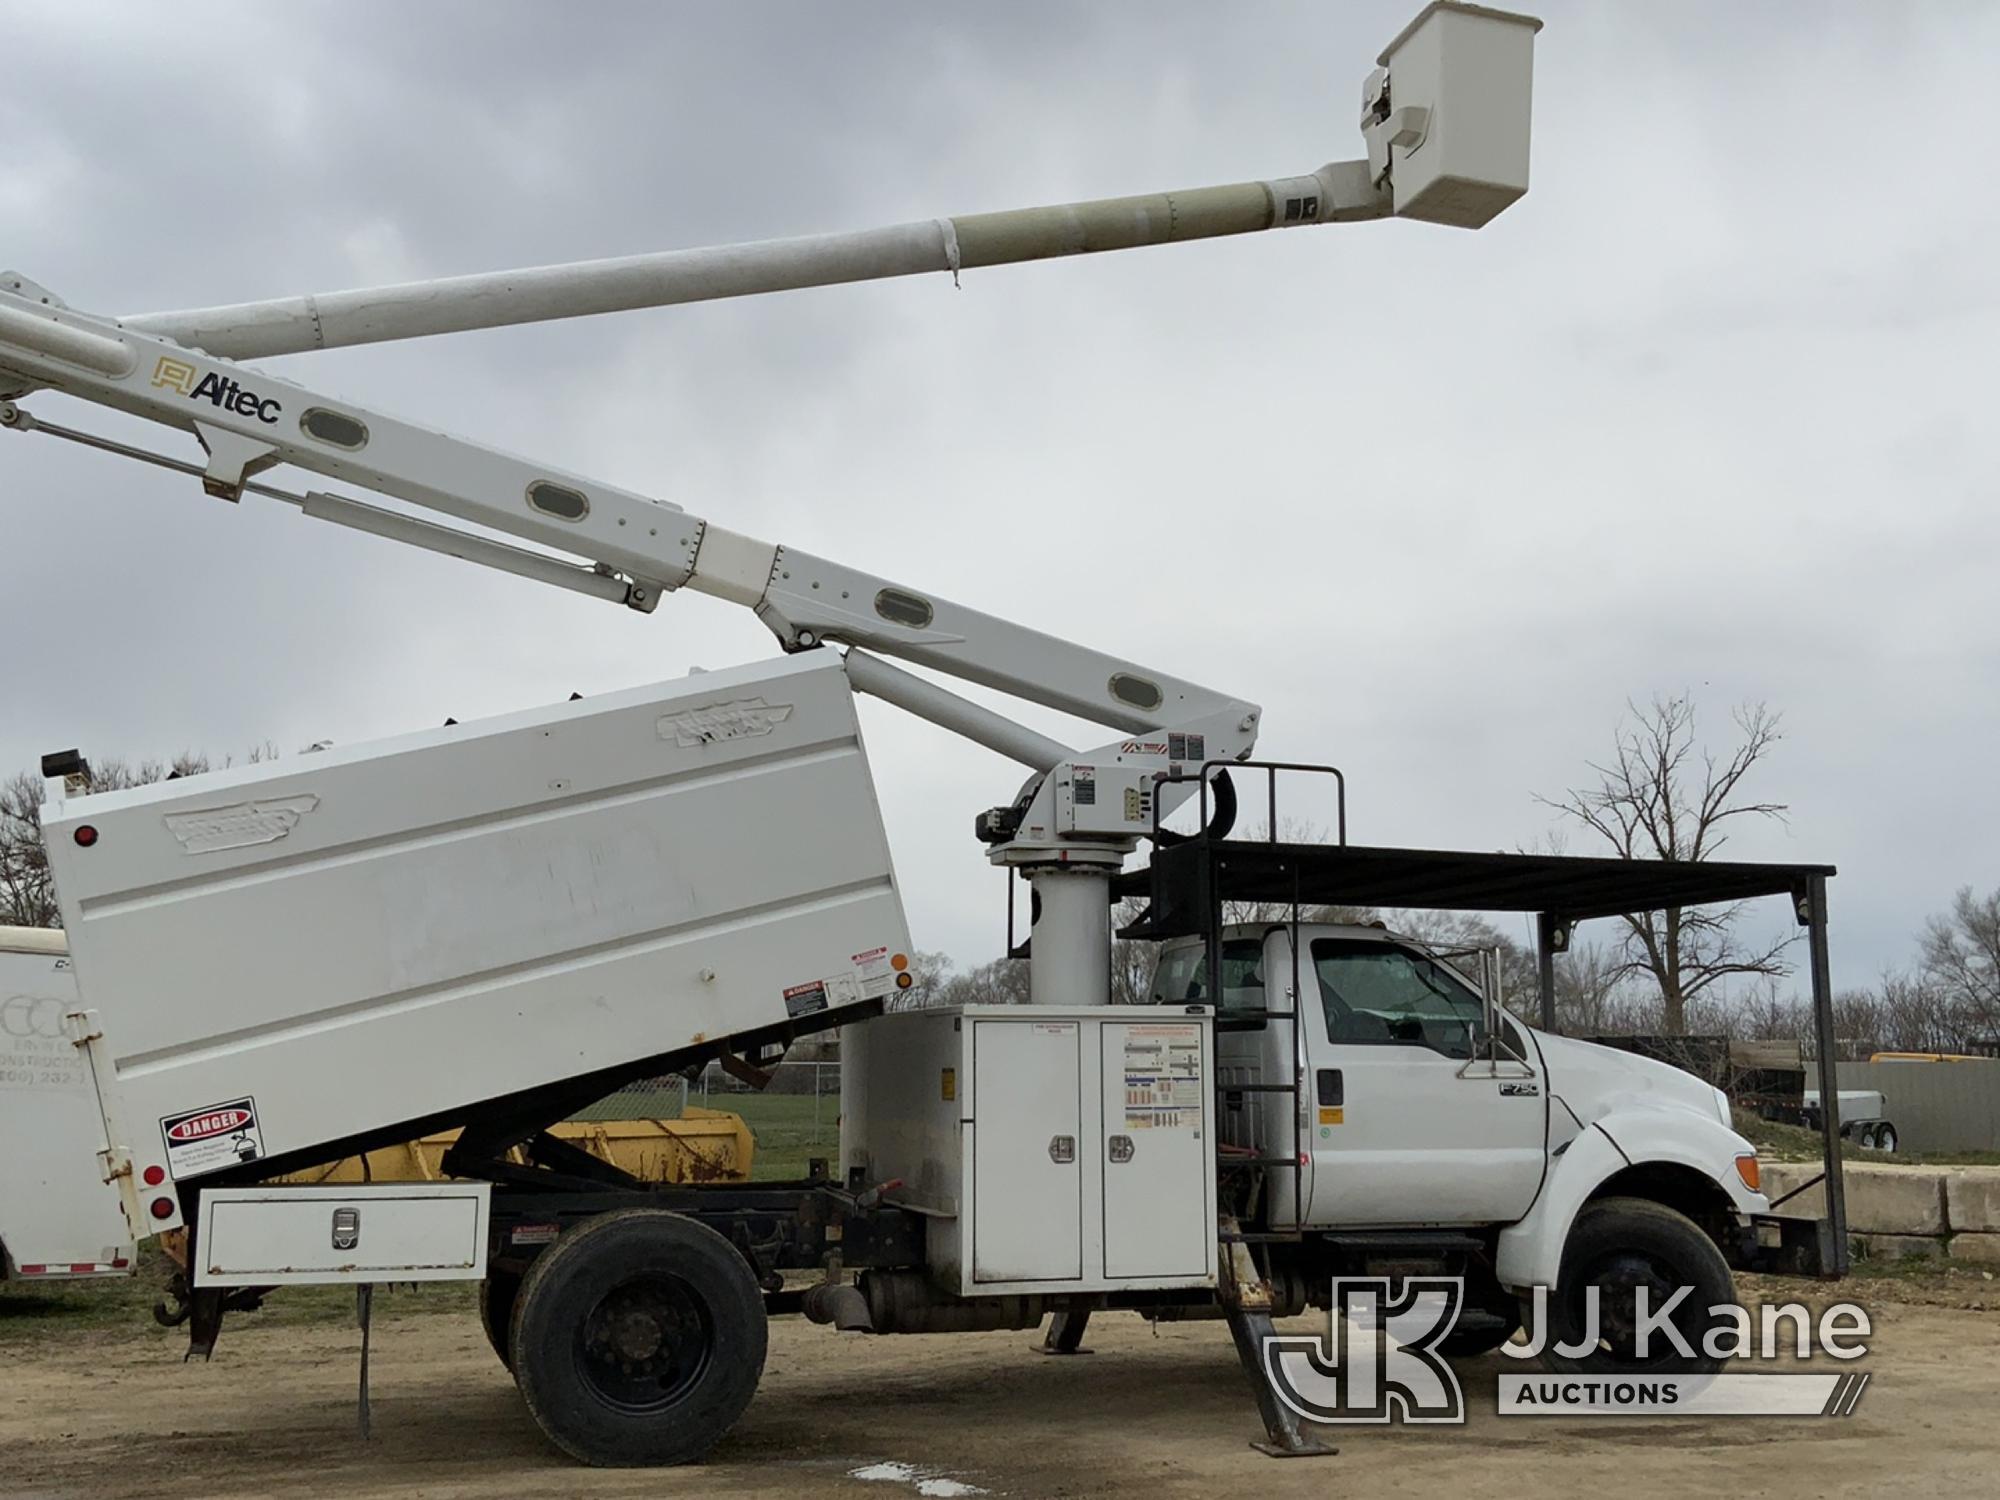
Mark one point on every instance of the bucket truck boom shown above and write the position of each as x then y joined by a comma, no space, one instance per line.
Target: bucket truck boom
1460,165
488,925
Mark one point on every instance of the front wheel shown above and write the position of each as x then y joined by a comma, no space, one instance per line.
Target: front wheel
1480,1331
638,1338
1626,1248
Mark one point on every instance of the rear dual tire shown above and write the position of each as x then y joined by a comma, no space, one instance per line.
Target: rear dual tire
638,1338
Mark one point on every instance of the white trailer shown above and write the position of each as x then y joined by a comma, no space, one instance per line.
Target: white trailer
488,924
59,1216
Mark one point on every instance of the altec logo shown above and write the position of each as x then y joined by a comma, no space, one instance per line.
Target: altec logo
218,390
201,1127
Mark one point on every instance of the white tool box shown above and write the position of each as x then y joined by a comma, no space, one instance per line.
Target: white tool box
346,1232
1052,1148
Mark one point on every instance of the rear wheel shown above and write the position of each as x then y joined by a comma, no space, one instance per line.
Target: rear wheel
497,1295
1623,1247
638,1338
1885,1137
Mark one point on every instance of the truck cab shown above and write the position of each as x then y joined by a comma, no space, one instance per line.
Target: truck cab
1427,1121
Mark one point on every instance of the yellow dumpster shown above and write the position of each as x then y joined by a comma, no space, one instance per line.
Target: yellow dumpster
703,1145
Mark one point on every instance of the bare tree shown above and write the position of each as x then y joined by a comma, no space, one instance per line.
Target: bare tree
1592,991
27,894
930,971
1959,956
27,888
1663,797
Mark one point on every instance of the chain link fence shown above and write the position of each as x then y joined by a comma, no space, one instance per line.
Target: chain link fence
795,1118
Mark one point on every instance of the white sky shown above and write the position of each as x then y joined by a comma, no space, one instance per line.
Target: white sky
1705,410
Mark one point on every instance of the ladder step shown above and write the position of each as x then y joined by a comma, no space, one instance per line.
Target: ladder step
1259,1161
1258,1088
1263,1237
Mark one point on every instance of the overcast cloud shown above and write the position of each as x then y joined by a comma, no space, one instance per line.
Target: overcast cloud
1710,408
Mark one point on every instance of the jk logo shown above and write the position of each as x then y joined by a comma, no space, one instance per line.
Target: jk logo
1378,1361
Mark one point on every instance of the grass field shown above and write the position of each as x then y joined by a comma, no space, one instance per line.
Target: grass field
789,1129
1790,1143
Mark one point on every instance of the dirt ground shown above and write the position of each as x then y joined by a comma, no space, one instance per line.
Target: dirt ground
97,1411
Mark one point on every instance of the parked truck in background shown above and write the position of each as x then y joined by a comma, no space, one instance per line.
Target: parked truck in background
59,1218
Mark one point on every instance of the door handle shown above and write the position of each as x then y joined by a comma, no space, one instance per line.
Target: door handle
1122,1148
1062,1149
1331,1088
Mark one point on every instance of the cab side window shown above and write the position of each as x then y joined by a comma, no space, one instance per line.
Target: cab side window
1376,993
1183,977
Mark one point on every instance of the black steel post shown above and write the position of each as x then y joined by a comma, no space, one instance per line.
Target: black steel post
1545,962
1829,1075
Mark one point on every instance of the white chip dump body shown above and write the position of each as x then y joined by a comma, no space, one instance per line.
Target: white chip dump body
58,1217
287,955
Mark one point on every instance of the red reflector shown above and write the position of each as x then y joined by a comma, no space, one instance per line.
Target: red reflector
163,1208
154,1176
82,1267
34,1270
85,836
120,1264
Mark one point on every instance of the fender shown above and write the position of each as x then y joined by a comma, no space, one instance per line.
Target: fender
1530,1252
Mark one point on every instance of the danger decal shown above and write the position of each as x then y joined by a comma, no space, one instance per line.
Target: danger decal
206,1140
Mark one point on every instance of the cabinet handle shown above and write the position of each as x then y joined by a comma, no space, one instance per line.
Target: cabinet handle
1122,1148
1062,1149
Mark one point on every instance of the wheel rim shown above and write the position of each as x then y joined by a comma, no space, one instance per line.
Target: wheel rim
1618,1278
645,1343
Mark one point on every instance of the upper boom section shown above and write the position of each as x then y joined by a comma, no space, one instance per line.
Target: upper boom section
536,294
1458,162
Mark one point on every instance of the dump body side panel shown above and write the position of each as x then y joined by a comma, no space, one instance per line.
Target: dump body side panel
343,940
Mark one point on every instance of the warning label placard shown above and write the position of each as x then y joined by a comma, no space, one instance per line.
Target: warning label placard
206,1140
1163,1080
804,999
874,974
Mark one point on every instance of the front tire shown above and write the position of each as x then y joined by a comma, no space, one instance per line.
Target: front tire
638,1338
1620,1245
1489,1328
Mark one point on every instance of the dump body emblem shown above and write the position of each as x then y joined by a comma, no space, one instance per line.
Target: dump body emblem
240,825
742,719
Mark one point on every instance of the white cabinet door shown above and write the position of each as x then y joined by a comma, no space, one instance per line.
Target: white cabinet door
1027,1169
1157,1217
